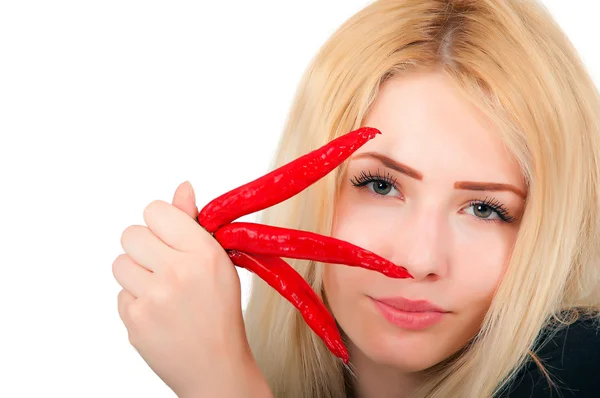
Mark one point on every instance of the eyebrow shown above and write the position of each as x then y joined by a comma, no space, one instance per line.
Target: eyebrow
417,175
392,164
488,186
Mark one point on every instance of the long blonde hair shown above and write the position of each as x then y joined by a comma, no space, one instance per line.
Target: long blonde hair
512,61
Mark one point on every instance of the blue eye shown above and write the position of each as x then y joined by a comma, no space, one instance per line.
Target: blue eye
483,211
381,187
379,184
490,210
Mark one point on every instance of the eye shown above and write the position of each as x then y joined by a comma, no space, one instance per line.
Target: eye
489,210
381,187
483,211
379,184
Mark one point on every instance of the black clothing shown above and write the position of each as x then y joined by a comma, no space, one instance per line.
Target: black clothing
572,357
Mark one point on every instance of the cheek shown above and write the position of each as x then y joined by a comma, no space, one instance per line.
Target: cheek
479,267
344,291
342,288
362,224
344,285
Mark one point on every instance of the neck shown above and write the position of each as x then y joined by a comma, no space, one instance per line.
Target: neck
375,380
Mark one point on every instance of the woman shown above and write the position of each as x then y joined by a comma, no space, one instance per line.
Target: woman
484,185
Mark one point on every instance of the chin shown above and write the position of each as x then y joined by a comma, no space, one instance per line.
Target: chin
407,350
406,354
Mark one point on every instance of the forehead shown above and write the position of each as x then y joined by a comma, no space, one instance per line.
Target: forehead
428,125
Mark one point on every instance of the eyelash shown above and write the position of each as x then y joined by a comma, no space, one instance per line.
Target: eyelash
496,206
365,178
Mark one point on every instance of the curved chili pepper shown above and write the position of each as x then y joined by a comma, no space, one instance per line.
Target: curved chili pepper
257,247
283,278
283,182
266,239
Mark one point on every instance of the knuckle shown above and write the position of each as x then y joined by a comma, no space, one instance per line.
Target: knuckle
132,233
130,314
133,315
128,234
178,262
118,264
136,312
152,207
211,256
133,339
186,274
202,266
191,265
161,295
210,259
121,304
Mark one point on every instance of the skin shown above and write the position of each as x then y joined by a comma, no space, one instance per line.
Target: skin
181,304
456,251
424,223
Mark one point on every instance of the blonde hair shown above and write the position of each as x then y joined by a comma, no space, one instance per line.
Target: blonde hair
512,61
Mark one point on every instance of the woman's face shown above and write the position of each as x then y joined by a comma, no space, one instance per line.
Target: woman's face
437,193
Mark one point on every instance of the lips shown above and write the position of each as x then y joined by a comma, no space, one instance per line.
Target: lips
409,314
406,305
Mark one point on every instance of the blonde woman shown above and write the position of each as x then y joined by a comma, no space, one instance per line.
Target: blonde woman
484,185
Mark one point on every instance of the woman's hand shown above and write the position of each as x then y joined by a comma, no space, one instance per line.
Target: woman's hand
181,303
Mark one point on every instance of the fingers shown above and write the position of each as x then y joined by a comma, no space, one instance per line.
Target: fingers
125,303
134,278
124,300
174,227
185,199
146,249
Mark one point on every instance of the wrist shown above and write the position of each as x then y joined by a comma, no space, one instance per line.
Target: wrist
240,380
252,382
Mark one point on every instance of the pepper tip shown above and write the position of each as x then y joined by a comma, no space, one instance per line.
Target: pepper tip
370,131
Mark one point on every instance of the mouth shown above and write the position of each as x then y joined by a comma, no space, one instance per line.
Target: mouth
409,314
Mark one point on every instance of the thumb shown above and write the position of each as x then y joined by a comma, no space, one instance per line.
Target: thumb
185,199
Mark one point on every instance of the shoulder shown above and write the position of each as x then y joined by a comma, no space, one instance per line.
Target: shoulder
571,355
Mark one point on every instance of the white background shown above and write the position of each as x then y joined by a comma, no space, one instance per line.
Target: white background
108,105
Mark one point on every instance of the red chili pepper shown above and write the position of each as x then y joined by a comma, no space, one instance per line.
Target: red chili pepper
258,247
266,239
283,278
284,182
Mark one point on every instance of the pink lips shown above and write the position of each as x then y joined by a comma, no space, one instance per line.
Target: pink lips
409,314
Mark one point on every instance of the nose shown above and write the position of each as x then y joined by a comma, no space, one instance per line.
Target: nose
420,242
